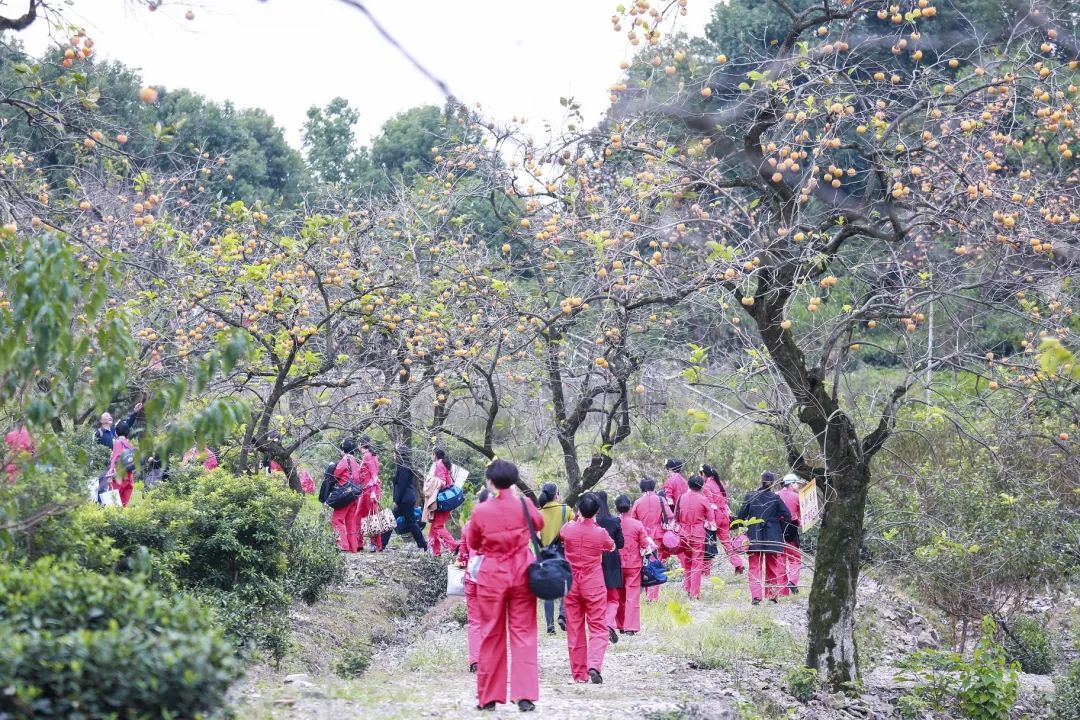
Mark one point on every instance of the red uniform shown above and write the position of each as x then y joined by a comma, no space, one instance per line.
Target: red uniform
792,554
585,543
635,542
648,511
722,514
346,520
692,512
438,536
122,479
471,612
498,532
369,500
675,487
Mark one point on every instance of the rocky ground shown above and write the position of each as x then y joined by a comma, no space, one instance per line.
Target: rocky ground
715,658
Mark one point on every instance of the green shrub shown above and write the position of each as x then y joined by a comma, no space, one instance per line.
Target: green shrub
1066,703
353,659
802,683
79,644
988,683
1027,641
314,562
460,614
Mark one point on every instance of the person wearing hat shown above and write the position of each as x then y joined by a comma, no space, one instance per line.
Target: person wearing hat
694,514
675,485
346,520
789,493
766,536
648,510
122,475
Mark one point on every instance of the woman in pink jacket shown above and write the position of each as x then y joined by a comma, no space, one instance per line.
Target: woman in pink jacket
648,510
499,533
372,487
346,520
472,613
123,478
675,485
695,515
717,494
636,542
585,543
439,536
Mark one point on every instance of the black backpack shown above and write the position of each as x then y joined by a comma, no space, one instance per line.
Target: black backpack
550,576
328,482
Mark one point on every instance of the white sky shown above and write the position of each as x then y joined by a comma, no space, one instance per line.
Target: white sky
514,57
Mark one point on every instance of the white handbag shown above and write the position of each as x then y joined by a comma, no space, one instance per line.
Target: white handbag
455,580
110,498
460,475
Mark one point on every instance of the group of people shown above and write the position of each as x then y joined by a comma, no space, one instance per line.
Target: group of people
606,553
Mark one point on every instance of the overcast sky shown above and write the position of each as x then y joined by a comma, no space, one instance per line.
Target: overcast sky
513,57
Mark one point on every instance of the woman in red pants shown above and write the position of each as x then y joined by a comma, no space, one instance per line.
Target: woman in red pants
439,537
472,613
695,515
636,543
585,543
499,533
346,520
717,494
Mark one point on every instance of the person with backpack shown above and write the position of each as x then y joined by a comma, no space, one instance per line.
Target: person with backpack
585,543
675,485
346,520
649,511
499,533
405,497
372,490
105,434
636,543
122,464
438,536
765,554
695,516
472,613
717,494
611,563
556,513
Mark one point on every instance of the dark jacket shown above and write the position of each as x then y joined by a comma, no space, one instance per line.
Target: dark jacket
105,437
766,536
404,491
611,562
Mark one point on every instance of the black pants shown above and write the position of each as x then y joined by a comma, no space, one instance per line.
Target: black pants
409,526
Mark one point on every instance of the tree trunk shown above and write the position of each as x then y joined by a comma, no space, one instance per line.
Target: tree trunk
831,643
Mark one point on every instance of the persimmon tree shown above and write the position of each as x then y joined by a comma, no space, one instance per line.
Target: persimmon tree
857,179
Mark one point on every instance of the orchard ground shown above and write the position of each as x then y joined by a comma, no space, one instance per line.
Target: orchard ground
716,658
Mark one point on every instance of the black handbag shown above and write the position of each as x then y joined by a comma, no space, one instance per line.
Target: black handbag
711,550
549,576
343,495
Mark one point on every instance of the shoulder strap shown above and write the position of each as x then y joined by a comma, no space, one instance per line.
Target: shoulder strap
532,530
663,509
564,514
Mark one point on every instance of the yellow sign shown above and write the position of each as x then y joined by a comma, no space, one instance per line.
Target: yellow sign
809,510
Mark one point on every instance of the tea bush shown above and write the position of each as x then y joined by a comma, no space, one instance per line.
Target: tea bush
74,643
1027,641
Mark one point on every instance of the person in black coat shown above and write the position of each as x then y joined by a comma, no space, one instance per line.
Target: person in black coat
765,516
106,433
405,498
611,562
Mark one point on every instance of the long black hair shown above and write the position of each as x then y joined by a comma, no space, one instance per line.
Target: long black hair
605,511
548,492
710,472
442,456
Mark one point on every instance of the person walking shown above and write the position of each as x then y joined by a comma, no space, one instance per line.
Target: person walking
472,613
556,513
346,520
695,516
585,543
766,537
675,485
789,493
499,534
611,562
123,455
716,492
372,490
649,511
636,543
405,498
438,536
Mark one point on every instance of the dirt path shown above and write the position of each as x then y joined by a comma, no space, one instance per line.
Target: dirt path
687,663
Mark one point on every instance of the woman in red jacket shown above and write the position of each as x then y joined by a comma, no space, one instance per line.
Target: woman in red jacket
472,637
499,533
585,543
695,515
439,536
636,542
648,510
123,478
717,494
346,520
